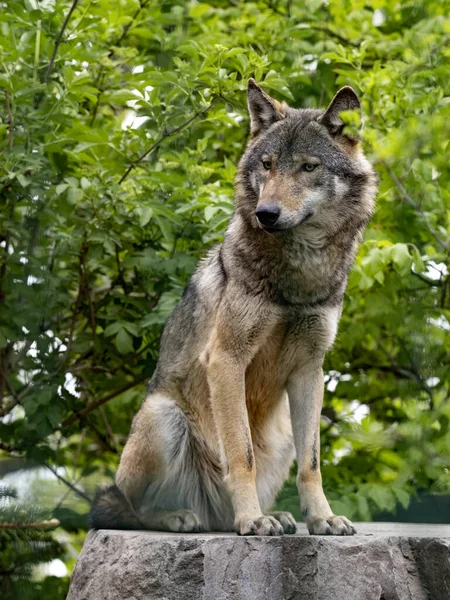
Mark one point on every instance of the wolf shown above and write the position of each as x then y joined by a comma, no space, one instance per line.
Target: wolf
238,388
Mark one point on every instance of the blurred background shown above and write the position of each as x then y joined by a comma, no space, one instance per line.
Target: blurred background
120,128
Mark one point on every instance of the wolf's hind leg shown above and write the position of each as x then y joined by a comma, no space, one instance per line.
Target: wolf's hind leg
142,458
149,472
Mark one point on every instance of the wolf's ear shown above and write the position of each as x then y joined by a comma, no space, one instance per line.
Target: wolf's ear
264,111
345,99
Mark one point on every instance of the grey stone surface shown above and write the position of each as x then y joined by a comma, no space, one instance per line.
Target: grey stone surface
385,561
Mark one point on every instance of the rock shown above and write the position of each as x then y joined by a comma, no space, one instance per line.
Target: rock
385,561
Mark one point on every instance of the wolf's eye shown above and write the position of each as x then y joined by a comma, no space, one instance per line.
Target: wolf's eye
267,164
308,167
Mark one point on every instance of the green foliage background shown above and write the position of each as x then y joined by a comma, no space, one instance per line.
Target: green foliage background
120,127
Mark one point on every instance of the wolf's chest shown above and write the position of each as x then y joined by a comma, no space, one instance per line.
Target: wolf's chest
289,347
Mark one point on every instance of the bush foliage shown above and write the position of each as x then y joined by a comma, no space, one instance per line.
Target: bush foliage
121,126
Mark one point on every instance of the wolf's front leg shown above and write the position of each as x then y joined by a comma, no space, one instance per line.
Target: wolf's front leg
226,377
229,351
305,391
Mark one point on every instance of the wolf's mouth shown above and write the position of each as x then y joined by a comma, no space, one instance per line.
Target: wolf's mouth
272,229
307,216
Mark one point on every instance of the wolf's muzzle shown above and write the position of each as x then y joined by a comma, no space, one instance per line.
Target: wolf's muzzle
268,214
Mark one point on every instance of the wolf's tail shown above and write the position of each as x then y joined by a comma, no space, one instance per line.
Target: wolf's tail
111,510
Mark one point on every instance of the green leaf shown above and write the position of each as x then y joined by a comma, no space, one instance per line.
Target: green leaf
402,496
210,211
198,10
61,188
54,415
363,508
113,328
145,215
124,343
383,497
74,195
401,258
275,82
85,183
132,328
24,182
419,266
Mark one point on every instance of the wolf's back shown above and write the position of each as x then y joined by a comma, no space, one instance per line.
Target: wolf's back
111,510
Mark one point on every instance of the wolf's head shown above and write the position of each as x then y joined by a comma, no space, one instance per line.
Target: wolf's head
301,170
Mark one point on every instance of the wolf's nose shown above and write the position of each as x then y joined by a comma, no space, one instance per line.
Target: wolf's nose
268,214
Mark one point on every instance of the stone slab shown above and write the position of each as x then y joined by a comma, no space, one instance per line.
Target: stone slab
384,561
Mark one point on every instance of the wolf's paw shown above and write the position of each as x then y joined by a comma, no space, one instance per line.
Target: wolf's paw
287,521
182,521
331,526
265,525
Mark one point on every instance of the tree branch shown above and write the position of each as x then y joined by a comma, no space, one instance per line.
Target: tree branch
159,141
6,409
47,524
109,430
88,295
430,282
93,405
275,9
58,41
333,34
128,25
70,485
77,304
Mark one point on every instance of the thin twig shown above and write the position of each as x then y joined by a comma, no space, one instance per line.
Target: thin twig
93,405
120,276
7,409
102,438
96,107
430,282
88,296
159,141
78,452
445,290
407,198
416,373
115,447
276,9
58,41
130,23
109,430
72,487
99,79
289,8
333,34
77,304
322,93
11,120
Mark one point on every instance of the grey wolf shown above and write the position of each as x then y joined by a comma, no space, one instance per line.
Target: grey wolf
238,388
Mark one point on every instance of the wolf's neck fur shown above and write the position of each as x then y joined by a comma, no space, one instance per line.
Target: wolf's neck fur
306,265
